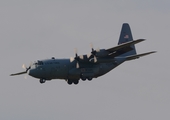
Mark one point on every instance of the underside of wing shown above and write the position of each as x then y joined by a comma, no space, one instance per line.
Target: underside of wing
138,56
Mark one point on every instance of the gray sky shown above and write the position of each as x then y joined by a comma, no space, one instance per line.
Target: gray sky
32,30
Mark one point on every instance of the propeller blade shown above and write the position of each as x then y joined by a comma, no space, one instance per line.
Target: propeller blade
25,77
76,55
77,58
95,59
91,45
77,65
93,52
24,66
75,50
98,50
71,59
89,55
81,57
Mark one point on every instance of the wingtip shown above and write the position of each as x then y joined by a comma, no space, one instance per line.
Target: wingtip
18,73
11,74
154,51
142,40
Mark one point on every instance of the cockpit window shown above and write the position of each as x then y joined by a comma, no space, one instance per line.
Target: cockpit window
40,63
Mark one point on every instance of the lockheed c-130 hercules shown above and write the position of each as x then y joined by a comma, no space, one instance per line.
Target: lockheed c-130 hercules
96,64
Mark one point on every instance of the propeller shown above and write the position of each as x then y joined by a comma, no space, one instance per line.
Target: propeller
93,52
24,67
76,55
76,58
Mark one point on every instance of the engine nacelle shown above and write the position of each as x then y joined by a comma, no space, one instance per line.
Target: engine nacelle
101,53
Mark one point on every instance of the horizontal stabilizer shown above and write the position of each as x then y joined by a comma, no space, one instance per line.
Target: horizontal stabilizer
139,55
18,73
123,45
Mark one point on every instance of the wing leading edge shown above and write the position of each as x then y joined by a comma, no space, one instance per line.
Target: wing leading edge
123,45
19,73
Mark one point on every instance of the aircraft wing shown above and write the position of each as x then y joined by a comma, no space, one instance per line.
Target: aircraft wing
18,73
138,56
123,45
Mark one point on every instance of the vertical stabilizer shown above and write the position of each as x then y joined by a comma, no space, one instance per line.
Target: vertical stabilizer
126,36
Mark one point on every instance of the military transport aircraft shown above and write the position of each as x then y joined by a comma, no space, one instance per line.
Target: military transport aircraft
96,64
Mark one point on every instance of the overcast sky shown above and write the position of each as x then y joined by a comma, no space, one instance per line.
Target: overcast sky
38,29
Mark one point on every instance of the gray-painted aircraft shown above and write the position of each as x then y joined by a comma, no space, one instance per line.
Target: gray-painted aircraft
98,63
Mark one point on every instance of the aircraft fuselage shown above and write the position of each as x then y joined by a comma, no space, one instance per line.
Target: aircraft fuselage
65,69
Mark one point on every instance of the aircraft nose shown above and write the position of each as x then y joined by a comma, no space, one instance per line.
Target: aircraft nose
31,72
35,73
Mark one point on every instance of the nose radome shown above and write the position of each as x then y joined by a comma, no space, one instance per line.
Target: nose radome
31,72
34,73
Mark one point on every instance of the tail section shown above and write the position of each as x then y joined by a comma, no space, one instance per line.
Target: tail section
126,36
126,39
